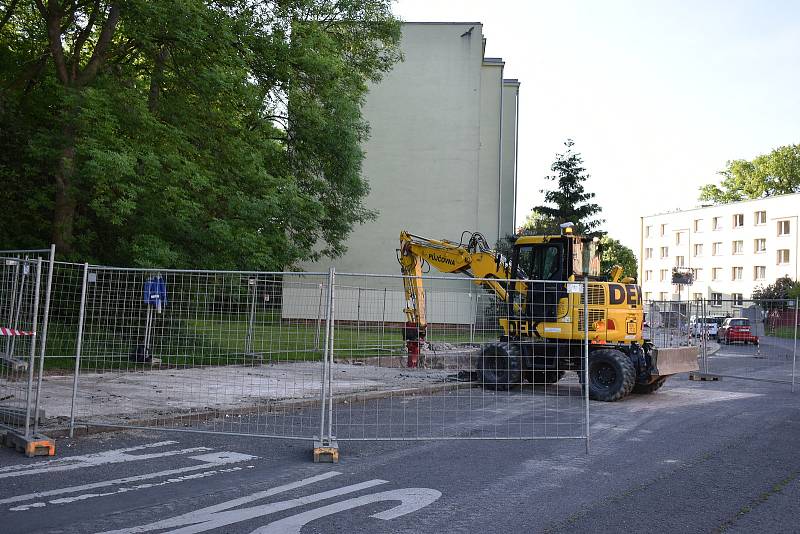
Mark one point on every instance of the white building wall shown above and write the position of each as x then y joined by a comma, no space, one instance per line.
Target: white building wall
487,185
508,191
438,126
697,228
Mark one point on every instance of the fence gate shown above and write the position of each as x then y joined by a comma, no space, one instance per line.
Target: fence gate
24,303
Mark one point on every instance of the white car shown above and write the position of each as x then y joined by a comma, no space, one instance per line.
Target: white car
699,325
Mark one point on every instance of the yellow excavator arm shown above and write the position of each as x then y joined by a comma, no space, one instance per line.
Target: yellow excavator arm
474,259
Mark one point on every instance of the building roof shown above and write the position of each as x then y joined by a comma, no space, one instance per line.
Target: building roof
707,206
442,23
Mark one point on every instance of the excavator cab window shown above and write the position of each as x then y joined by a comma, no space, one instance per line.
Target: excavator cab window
541,264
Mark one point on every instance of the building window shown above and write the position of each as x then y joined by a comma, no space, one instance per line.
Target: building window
679,261
663,275
697,296
716,273
738,220
760,246
737,273
663,229
698,274
738,247
783,256
716,249
648,253
648,275
677,238
760,217
737,298
648,230
648,295
698,225
784,228
698,249
716,299
664,252
663,295
759,272
717,223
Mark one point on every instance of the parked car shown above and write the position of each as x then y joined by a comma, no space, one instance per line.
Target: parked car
736,329
700,325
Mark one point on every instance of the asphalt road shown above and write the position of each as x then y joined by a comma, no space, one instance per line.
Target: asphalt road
694,457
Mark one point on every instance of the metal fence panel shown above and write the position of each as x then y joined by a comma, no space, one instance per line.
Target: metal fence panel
671,323
756,340
383,391
20,291
195,351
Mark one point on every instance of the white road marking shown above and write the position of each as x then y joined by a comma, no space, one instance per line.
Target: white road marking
411,500
90,460
85,496
220,515
208,461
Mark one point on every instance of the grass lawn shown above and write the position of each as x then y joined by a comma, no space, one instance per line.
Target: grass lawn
223,341
786,332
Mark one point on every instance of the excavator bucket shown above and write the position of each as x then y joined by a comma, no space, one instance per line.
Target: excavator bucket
672,360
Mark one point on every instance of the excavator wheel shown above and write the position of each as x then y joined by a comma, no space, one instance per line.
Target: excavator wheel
543,377
611,375
652,387
498,366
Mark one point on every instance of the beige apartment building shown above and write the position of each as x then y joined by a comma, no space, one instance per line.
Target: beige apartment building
441,158
442,152
731,248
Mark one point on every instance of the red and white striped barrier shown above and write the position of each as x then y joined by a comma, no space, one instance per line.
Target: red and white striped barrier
13,332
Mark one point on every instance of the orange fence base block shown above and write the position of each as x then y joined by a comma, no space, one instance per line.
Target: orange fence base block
328,453
35,445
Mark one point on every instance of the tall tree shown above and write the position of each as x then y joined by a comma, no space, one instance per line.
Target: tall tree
221,133
570,202
776,173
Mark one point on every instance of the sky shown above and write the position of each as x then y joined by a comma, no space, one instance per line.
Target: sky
657,96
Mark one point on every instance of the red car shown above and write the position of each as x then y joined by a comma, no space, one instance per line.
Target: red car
736,329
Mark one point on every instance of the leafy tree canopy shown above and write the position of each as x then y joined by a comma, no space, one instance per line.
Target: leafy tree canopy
615,253
570,202
185,133
776,173
783,288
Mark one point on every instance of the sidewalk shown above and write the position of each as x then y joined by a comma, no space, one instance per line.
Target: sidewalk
122,396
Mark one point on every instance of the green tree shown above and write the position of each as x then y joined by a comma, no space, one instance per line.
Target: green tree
185,133
537,223
613,252
570,202
776,173
782,289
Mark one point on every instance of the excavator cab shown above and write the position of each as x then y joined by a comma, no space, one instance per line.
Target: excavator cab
548,262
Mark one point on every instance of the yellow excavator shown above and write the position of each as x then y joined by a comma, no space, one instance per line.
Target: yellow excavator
540,292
